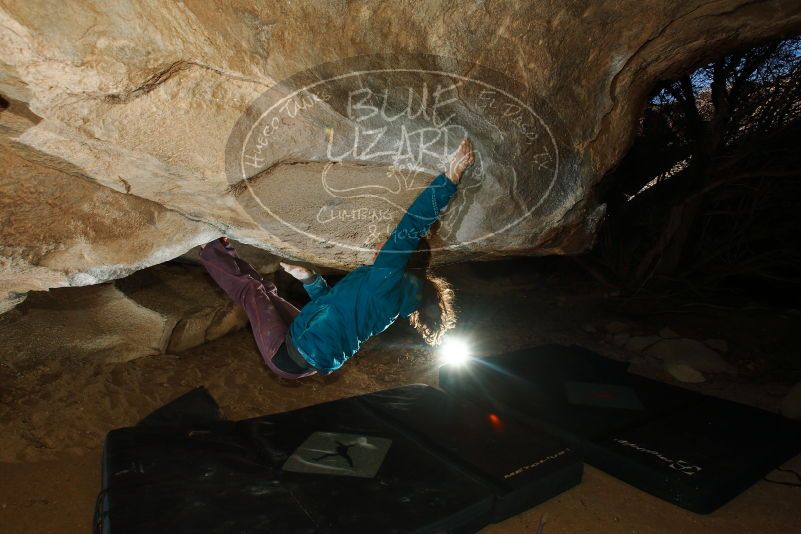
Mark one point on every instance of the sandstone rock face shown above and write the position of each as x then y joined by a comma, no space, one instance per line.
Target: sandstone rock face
196,310
97,323
122,121
691,353
60,228
685,373
167,308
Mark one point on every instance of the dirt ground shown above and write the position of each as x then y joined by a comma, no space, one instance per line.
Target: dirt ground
53,417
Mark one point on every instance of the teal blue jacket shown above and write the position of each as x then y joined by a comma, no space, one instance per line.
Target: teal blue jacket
330,328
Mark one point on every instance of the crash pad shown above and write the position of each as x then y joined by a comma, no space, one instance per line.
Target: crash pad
410,459
692,450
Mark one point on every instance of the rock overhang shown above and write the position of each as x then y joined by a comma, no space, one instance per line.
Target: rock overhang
136,106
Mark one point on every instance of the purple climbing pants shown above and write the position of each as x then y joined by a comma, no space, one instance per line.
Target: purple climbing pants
269,314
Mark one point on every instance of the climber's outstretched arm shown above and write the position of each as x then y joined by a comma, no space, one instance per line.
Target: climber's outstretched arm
424,211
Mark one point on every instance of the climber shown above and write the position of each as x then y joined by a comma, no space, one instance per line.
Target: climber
331,327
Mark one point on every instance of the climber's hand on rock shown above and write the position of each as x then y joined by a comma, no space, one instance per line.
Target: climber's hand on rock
298,272
461,161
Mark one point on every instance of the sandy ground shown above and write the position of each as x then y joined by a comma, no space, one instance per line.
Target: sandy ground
53,417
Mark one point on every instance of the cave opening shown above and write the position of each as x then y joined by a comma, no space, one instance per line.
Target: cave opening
706,200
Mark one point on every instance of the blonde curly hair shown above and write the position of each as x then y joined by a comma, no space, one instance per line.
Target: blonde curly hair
437,313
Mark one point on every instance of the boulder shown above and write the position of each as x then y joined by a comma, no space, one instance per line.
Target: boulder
689,352
647,367
59,228
96,323
198,310
142,113
168,308
685,373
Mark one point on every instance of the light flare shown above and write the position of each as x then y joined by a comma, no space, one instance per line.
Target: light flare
454,351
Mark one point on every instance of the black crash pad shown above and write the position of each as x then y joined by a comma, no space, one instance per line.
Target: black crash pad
576,392
689,449
406,460
523,463
193,407
702,456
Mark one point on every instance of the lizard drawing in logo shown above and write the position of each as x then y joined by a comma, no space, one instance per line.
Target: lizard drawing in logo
334,453
342,450
410,172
